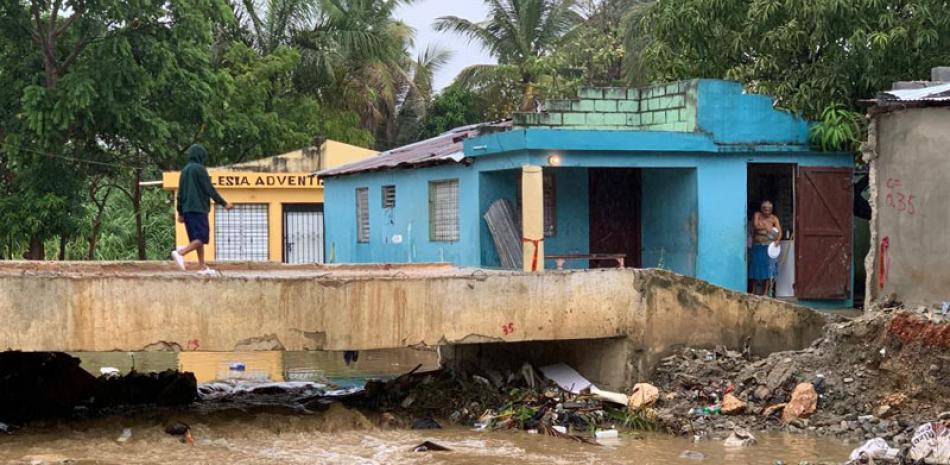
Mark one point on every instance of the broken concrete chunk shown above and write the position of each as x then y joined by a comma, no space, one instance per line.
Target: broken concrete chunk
643,395
731,405
804,402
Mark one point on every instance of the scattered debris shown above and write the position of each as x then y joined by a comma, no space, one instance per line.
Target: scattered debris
430,446
643,395
426,423
875,450
931,443
125,436
739,438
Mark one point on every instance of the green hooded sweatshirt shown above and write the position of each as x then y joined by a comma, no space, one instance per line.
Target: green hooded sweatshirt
194,186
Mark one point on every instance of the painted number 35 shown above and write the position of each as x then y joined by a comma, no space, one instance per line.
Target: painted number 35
898,199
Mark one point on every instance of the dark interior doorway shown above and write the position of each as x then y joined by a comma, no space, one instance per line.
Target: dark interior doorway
615,215
776,183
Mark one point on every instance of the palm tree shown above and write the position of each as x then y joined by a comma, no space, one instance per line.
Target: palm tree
417,99
516,33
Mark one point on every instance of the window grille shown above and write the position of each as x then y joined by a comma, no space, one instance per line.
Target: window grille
362,214
550,204
444,211
241,234
389,196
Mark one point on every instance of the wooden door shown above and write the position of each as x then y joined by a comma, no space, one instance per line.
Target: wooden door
615,214
823,233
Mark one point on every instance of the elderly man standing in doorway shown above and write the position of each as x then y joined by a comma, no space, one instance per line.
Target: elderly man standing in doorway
766,230
195,193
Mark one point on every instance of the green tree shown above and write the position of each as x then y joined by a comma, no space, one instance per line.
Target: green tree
518,33
453,107
811,55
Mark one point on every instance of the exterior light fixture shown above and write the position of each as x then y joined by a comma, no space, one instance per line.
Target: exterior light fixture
554,160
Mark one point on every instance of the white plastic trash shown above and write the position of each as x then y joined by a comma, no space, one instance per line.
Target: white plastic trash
607,434
615,397
774,250
560,429
875,449
109,371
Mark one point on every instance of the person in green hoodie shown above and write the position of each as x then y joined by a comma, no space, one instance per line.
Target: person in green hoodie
195,193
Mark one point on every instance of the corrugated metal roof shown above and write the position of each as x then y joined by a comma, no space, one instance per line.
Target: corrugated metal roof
444,148
939,92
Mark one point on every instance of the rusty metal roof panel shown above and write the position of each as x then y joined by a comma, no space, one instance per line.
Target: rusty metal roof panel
444,148
936,93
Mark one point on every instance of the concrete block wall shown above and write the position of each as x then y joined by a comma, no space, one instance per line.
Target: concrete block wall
662,107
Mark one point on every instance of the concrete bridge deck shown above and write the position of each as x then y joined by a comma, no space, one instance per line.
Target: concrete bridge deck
133,306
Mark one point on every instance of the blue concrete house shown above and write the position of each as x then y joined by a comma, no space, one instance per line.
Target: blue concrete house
663,176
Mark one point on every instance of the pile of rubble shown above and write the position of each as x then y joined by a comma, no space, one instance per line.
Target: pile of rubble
524,400
882,377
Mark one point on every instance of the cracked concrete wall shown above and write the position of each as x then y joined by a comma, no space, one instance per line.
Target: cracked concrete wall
614,325
106,312
907,151
675,311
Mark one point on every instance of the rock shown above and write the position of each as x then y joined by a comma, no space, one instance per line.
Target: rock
693,455
770,410
177,429
780,374
731,405
804,402
643,395
848,380
883,411
739,438
425,423
762,392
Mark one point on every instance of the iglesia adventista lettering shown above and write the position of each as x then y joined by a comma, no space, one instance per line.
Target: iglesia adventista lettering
265,180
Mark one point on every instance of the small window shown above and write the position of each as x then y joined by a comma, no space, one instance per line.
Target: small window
444,211
389,196
362,214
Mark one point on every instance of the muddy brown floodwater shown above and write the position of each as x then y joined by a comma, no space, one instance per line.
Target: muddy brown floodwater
316,439
275,435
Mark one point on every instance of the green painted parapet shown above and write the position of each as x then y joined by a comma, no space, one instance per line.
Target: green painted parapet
665,107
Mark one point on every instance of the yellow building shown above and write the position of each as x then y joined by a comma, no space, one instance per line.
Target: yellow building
278,206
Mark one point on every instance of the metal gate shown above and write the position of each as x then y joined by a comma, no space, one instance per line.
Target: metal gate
303,233
241,234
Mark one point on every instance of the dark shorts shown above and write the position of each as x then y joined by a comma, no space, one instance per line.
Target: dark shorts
197,226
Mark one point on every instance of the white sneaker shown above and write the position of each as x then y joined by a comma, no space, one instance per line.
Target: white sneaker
208,272
179,259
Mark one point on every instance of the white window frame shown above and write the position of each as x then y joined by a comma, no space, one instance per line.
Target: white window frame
444,210
362,215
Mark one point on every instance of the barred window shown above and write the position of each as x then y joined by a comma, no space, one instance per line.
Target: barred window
389,196
362,214
444,211
241,234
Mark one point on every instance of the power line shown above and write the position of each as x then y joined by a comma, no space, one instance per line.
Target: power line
73,159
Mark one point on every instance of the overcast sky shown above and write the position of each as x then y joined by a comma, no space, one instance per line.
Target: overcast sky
423,13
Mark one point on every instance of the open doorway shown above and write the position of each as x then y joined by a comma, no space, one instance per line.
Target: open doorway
614,195
774,183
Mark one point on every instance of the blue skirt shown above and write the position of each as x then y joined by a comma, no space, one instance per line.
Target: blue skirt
761,266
